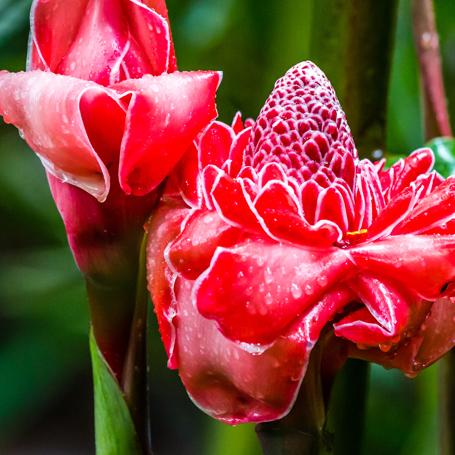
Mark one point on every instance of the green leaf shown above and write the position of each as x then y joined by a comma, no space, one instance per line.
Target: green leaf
114,428
444,154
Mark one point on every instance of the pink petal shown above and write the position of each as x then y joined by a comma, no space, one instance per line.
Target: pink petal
253,291
164,116
163,228
53,29
425,263
103,51
190,254
151,31
228,382
278,208
160,7
54,114
216,141
186,177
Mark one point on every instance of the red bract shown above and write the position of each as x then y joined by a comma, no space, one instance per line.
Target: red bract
281,227
102,113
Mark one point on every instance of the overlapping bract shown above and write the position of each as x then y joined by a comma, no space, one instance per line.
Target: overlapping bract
99,101
279,227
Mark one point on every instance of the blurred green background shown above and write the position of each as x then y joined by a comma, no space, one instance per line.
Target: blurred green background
45,378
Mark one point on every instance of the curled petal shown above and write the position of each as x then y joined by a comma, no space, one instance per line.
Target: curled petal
434,339
190,254
233,203
53,28
228,382
215,144
237,151
55,115
163,228
186,177
278,208
422,262
437,208
256,289
391,310
406,171
165,113
151,31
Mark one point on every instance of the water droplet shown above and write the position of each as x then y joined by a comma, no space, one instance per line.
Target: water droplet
308,289
296,291
268,275
268,299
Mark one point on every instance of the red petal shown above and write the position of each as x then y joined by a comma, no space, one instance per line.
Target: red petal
164,226
52,111
271,172
435,338
406,171
432,211
216,141
164,116
186,174
237,151
331,207
228,382
255,290
391,311
278,208
232,203
190,254
209,178
237,124
425,263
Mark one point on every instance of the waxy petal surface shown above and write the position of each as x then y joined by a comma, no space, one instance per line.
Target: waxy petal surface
270,284
165,114
163,228
424,263
47,109
190,254
237,386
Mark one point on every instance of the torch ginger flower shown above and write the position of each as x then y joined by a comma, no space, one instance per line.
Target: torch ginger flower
109,123
278,228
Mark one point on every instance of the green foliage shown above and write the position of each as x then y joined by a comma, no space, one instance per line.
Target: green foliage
115,433
444,154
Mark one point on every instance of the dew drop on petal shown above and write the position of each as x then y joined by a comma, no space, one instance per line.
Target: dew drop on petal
296,291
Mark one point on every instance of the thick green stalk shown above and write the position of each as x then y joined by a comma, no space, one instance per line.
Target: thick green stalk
446,389
352,42
301,432
348,407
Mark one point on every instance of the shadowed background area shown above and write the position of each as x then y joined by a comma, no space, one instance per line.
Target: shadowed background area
46,404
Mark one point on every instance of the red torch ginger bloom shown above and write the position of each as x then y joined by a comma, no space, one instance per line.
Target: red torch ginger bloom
109,123
279,228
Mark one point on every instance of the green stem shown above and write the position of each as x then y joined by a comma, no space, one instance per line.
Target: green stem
352,42
348,407
446,389
135,374
301,432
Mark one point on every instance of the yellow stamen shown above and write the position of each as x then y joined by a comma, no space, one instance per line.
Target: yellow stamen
362,231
